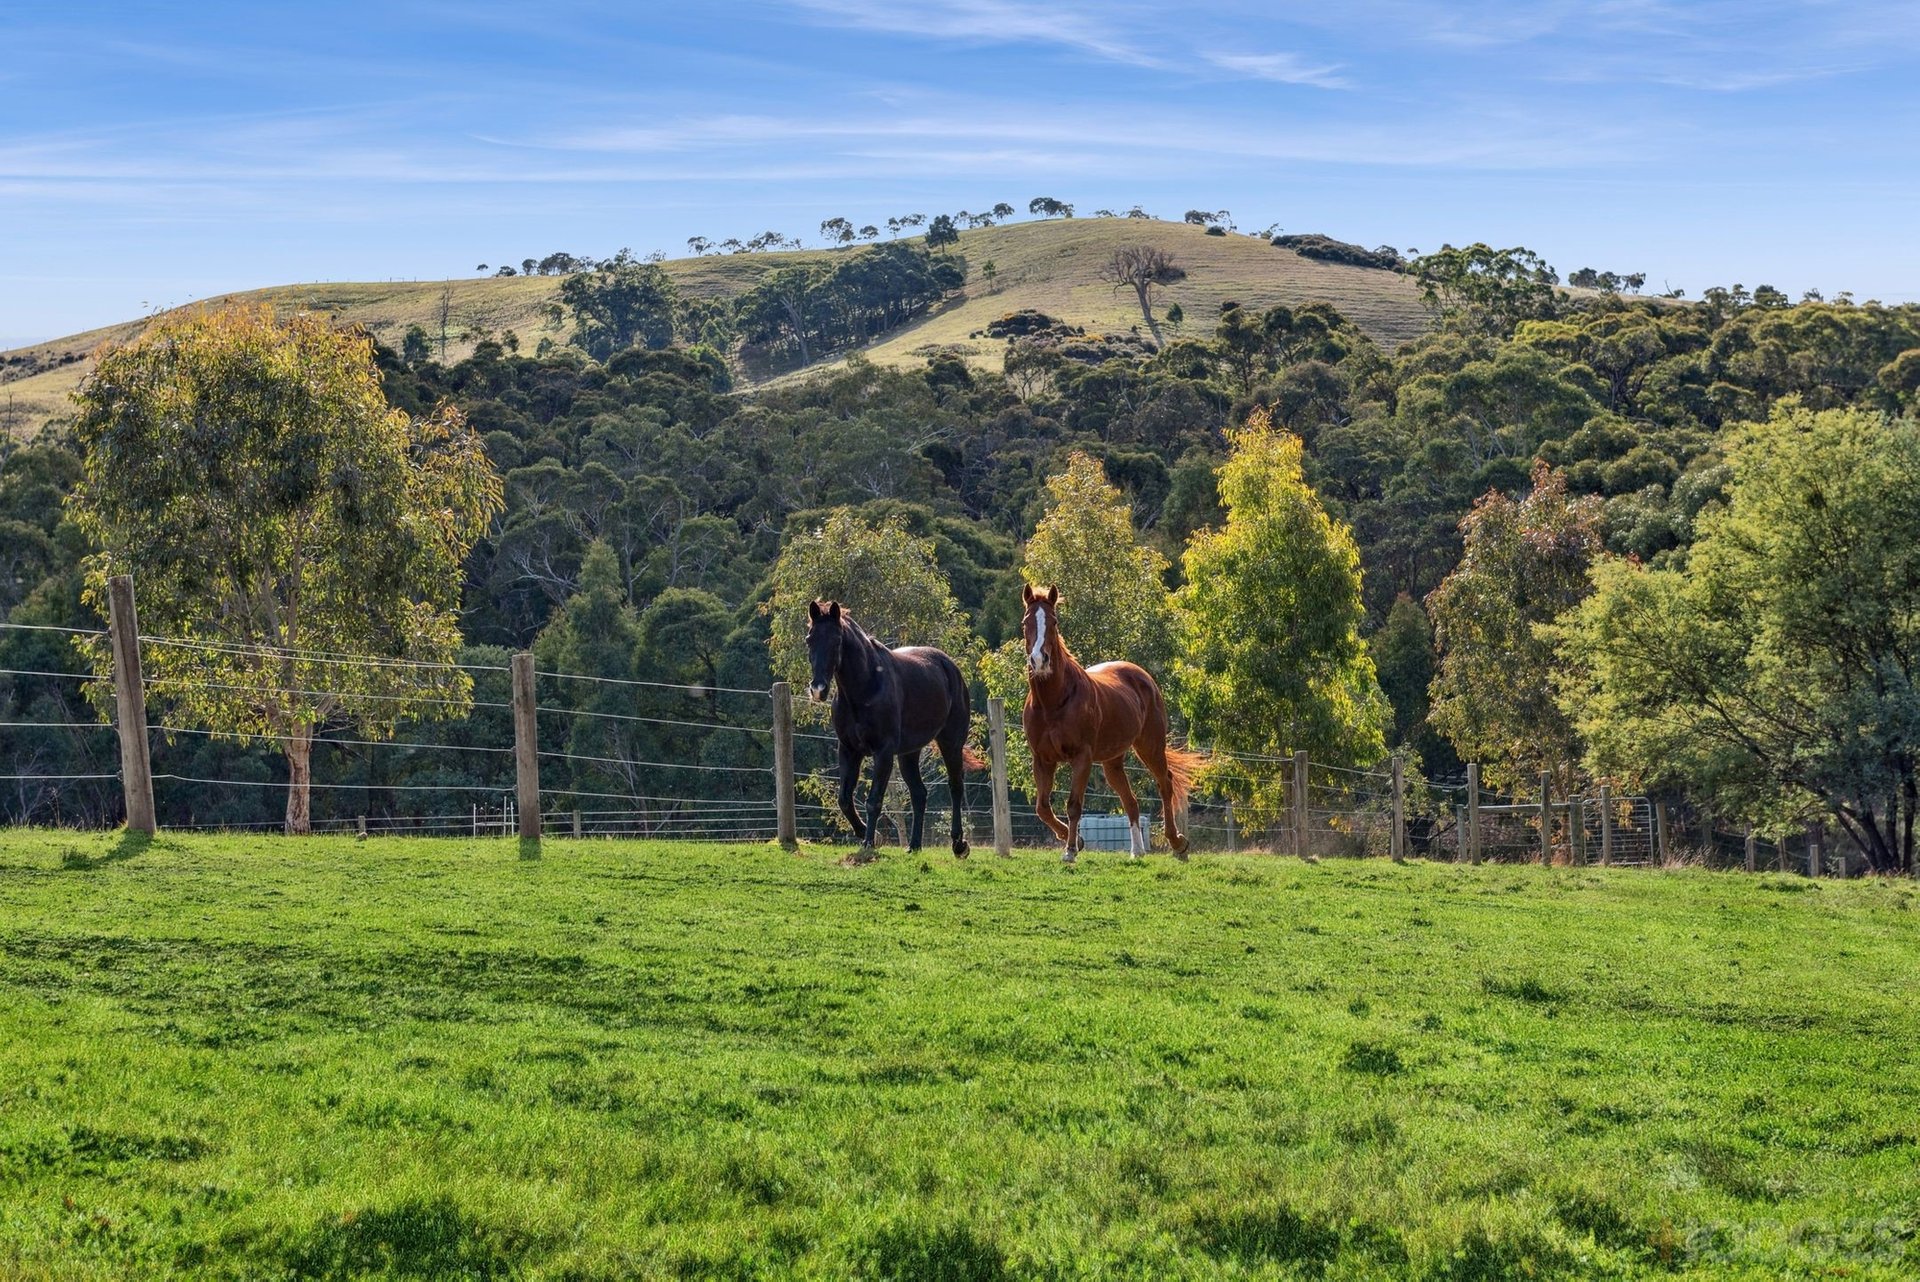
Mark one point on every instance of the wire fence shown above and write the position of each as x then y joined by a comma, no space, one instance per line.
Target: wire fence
619,757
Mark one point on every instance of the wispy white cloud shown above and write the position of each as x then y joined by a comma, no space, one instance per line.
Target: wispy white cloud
1090,31
1132,35
1285,68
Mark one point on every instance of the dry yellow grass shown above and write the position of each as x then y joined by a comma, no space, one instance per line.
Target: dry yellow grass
1052,266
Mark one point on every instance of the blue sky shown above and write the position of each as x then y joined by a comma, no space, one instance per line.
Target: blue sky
155,153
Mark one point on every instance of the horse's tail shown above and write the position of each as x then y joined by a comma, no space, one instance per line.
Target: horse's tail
1183,765
971,759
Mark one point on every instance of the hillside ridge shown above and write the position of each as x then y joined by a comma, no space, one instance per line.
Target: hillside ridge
1050,265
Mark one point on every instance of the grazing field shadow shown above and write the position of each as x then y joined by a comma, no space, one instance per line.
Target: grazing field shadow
952,1253
419,1238
1268,1235
125,846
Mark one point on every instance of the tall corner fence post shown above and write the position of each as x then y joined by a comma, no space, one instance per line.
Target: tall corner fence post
1300,797
1398,842
1606,824
526,748
786,821
1473,812
130,705
1659,834
997,760
1546,819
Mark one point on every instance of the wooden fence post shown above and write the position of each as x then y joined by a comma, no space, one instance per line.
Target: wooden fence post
1753,851
786,822
1659,834
1233,830
1459,834
1546,819
1397,843
1815,842
526,747
476,819
1577,829
1606,824
1473,812
1301,847
997,761
576,821
363,825
130,705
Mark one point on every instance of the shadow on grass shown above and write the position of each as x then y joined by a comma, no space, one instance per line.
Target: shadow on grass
418,1238
1273,1233
125,847
951,1253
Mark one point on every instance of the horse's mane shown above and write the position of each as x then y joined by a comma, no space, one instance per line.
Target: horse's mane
864,644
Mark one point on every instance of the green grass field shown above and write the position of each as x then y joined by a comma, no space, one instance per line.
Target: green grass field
228,1057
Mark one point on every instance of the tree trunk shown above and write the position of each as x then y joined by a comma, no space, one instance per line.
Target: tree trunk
1146,310
299,747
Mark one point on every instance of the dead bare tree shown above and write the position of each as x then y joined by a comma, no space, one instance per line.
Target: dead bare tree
1142,268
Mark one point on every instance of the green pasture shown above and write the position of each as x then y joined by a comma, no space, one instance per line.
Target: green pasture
264,1058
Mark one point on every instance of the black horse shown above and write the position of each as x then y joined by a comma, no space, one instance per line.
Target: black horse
888,705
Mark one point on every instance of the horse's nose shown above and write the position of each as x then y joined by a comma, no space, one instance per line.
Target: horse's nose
817,693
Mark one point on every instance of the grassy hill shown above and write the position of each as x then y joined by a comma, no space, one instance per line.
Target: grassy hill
404,1057
1051,266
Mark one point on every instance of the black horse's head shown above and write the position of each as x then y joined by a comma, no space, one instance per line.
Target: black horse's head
826,626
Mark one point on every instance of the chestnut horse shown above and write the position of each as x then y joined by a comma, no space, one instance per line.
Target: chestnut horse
1077,716
889,705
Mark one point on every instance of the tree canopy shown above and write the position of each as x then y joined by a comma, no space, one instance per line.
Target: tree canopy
277,510
1270,658
1773,674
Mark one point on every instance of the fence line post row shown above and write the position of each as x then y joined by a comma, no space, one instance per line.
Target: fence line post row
136,773
997,754
787,824
526,748
130,706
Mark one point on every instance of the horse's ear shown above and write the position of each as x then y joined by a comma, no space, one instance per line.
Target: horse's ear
813,609
833,609
1053,595
1026,594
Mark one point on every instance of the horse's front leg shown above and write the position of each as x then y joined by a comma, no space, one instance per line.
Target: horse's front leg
1043,799
850,762
1076,800
877,797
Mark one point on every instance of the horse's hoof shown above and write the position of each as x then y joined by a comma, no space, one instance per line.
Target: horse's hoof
961,850
1179,845
1066,856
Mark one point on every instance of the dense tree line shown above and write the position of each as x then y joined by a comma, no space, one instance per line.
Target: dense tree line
646,501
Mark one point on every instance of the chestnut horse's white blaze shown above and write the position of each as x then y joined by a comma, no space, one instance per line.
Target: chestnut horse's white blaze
1081,717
